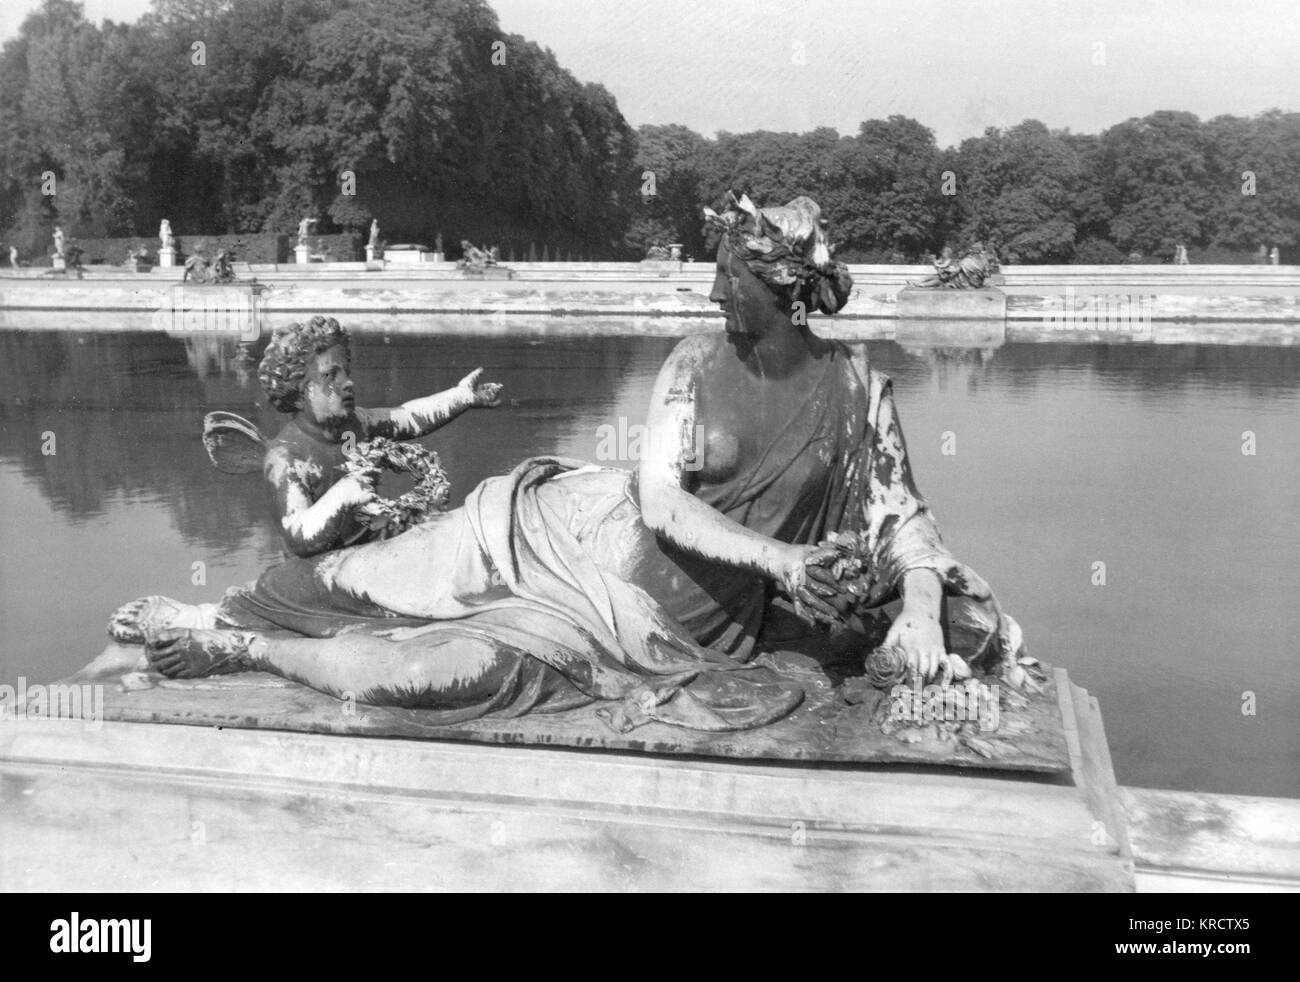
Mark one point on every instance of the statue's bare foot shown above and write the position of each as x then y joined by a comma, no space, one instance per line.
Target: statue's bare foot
188,653
132,622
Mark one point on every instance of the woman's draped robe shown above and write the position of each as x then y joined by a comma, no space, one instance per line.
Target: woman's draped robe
579,601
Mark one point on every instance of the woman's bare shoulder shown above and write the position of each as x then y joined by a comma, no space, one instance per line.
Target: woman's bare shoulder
695,349
690,359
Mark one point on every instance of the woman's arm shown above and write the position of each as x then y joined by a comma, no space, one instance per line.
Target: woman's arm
671,511
420,417
908,554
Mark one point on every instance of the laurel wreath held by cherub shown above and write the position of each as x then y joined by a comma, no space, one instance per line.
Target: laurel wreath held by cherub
389,516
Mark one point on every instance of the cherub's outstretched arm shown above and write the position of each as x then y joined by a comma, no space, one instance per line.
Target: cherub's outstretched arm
419,417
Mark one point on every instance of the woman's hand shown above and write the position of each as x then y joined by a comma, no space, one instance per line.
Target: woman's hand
921,641
802,576
485,394
916,629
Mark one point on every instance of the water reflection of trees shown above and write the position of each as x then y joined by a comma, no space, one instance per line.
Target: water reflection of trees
1024,366
127,409
126,412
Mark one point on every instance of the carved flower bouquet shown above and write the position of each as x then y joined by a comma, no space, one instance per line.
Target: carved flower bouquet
855,576
852,566
390,516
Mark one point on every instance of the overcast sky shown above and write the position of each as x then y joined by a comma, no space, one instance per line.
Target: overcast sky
956,66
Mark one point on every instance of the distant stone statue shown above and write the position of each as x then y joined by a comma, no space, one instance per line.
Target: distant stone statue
473,257
969,274
374,234
304,230
199,269
165,238
1275,256
13,256
1180,255
437,244
1261,255
657,252
58,241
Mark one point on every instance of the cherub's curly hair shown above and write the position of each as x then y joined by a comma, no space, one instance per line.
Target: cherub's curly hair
284,366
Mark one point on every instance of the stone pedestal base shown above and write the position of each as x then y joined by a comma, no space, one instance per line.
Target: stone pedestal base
939,304
488,273
437,257
663,267
60,264
302,254
370,253
119,806
167,256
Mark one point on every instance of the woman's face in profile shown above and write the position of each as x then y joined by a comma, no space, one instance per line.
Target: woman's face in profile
745,301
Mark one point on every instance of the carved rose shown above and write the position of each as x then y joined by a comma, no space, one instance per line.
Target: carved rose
886,667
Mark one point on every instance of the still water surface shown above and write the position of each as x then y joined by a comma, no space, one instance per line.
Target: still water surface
1066,456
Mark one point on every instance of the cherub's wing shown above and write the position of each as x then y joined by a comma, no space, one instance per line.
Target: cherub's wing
234,445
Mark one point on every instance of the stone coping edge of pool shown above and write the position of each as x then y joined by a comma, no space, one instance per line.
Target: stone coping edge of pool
1077,304
218,809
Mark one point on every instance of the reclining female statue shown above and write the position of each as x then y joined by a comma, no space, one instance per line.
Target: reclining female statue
561,583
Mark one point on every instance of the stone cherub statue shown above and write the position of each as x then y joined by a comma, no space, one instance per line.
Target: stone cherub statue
165,238
58,241
304,230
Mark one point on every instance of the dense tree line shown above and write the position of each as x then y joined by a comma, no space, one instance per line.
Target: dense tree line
247,115
1222,188
235,116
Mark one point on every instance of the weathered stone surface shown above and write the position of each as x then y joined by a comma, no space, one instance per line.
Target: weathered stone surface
825,728
1034,294
1231,836
986,303
145,807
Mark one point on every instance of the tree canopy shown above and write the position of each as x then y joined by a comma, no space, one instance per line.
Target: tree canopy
240,116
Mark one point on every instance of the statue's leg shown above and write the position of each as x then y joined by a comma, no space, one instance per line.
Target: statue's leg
455,670
446,669
131,622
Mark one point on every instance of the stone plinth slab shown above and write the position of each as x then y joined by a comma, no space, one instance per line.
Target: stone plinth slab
824,728
983,304
134,806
